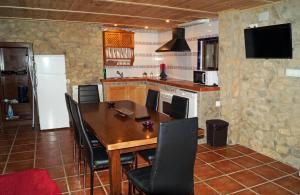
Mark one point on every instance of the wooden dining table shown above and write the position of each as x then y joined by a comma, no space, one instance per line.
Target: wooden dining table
122,133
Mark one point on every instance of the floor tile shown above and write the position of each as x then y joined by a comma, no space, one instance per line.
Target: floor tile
21,156
247,178
3,158
227,166
48,154
199,162
268,172
24,141
74,183
206,172
209,157
68,158
201,149
224,185
228,153
104,177
201,189
247,162
290,183
44,163
245,192
97,191
262,157
62,184
71,169
87,180
19,166
283,167
270,188
23,148
56,172
243,149
1,167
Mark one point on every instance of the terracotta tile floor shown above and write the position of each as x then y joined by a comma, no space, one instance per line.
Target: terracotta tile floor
227,170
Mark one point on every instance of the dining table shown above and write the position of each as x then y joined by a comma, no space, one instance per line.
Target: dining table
119,127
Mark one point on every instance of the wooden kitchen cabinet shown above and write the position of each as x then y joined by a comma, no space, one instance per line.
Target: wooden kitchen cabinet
118,48
135,93
116,93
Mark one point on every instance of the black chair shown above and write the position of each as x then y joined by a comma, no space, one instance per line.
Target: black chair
152,99
88,94
179,107
77,136
173,168
97,156
179,110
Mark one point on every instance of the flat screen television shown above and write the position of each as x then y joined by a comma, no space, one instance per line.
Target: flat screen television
269,42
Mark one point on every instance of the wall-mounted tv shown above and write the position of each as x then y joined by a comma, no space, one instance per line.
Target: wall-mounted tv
269,42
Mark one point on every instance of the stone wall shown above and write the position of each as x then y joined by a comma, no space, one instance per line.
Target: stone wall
260,102
80,42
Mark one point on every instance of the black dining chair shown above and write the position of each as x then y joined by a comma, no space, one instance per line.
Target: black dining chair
179,110
88,94
95,157
152,99
77,136
179,107
173,168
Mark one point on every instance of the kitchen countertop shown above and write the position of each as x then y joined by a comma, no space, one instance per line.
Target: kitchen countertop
170,81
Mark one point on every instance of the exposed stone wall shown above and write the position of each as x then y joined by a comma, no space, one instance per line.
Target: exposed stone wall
80,42
261,104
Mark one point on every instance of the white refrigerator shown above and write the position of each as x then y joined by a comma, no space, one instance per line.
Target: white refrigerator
51,87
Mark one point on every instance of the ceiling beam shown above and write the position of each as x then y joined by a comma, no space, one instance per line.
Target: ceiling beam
93,13
157,6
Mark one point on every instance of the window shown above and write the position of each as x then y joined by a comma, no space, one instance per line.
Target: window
208,54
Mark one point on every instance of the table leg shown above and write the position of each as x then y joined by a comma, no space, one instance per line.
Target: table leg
115,172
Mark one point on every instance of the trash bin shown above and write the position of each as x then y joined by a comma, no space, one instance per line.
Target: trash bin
216,131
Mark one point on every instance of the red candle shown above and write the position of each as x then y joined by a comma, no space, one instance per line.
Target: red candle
162,67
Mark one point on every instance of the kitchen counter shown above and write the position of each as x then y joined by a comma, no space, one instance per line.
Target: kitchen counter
170,81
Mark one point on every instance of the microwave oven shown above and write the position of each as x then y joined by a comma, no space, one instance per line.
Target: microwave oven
206,77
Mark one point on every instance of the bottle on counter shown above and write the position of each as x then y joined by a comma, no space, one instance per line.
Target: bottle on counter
104,73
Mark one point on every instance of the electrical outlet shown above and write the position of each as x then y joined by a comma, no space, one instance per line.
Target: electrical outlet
292,72
218,103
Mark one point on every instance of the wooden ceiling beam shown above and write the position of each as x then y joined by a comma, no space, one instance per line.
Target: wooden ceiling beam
158,6
87,12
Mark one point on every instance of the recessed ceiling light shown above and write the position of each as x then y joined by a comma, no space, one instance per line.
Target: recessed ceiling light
115,24
146,27
167,21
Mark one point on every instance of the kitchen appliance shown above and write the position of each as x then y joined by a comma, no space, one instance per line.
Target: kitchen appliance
166,100
177,43
207,77
51,87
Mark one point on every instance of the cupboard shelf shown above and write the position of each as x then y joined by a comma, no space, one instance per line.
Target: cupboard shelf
118,48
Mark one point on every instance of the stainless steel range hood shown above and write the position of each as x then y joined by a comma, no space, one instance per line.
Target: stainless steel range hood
177,44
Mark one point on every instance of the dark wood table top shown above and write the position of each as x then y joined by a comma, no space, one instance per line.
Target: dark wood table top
119,132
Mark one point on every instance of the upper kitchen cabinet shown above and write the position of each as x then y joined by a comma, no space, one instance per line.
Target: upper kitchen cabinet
118,48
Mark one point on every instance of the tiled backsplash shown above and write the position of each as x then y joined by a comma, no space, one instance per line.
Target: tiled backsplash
179,64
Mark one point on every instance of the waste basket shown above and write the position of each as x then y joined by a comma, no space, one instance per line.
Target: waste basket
216,131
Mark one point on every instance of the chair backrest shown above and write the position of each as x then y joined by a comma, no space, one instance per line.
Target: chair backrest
77,133
179,107
87,145
67,98
173,167
88,94
152,99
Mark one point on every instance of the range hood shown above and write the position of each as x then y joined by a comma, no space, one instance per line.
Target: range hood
177,44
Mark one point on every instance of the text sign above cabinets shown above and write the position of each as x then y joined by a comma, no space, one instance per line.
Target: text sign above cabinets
118,48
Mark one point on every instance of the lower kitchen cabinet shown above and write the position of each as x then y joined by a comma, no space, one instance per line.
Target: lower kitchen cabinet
135,93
